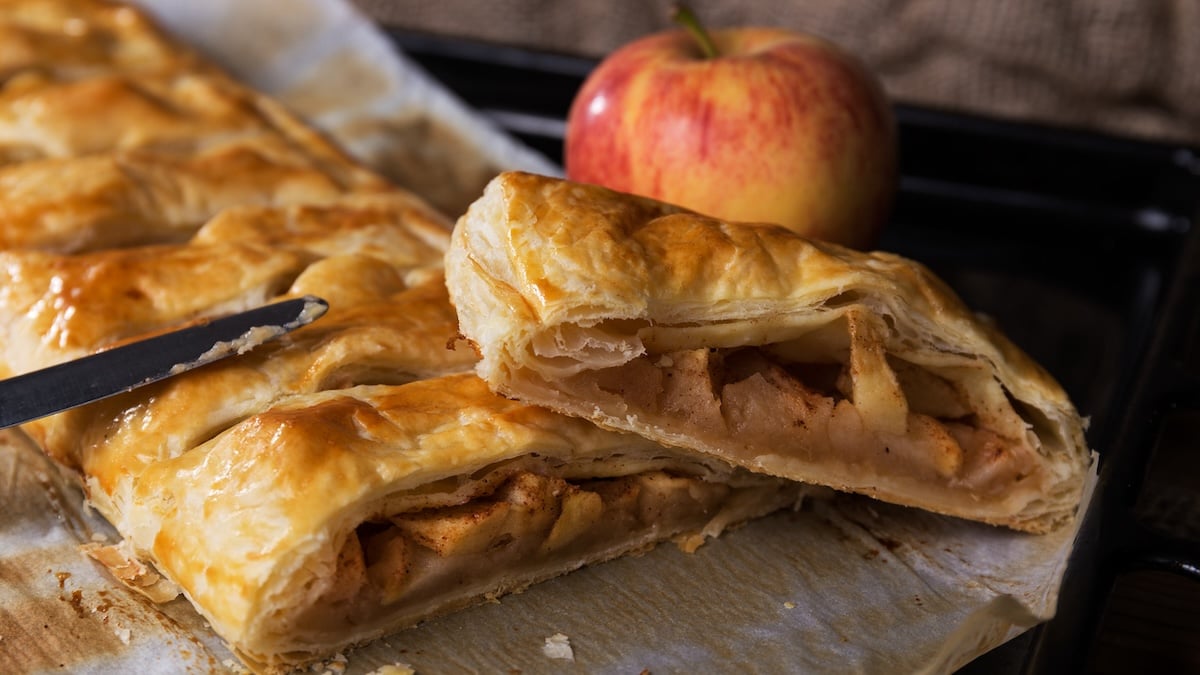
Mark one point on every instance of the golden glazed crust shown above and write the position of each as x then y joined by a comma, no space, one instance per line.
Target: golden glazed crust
366,257
79,38
392,339
352,477
860,371
47,116
367,450
110,136
57,307
106,200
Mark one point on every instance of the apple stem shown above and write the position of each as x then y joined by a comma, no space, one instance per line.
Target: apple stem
684,16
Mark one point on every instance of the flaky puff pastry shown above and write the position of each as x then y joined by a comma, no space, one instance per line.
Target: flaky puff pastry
113,135
176,112
127,197
858,371
335,517
80,38
56,307
352,477
365,255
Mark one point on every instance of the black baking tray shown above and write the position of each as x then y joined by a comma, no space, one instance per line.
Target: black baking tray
1084,248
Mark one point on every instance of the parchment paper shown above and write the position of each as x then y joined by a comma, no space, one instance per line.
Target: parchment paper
845,585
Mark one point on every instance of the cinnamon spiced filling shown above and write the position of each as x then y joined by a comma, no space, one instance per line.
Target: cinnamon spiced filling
530,521
750,399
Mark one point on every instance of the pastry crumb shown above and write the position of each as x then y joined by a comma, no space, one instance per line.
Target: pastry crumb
99,537
336,665
789,605
396,668
689,543
558,646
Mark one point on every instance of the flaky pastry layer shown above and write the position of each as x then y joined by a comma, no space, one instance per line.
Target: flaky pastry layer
859,371
84,38
432,495
350,478
112,135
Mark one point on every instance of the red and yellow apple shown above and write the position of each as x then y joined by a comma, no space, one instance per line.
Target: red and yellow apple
775,126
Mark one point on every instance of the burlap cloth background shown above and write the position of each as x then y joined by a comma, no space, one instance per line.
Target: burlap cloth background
1128,67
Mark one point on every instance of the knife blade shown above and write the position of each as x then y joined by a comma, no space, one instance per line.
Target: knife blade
27,397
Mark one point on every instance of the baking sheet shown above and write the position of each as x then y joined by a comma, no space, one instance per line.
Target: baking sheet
844,585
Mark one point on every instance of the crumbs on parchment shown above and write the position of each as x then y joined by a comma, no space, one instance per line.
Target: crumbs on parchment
396,668
336,665
558,646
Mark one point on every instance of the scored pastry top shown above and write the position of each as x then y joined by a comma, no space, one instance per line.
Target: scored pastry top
81,38
112,135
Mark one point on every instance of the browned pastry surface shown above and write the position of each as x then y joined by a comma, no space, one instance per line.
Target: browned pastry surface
352,477
112,135
40,114
79,38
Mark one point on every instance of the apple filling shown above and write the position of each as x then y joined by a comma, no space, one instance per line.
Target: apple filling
525,526
832,408
747,395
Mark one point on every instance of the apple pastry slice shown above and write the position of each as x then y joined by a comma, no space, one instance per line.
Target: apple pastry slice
790,357
334,517
353,477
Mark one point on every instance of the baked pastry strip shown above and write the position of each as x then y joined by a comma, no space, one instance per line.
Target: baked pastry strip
336,517
80,38
114,154
352,477
791,357
376,260
56,307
